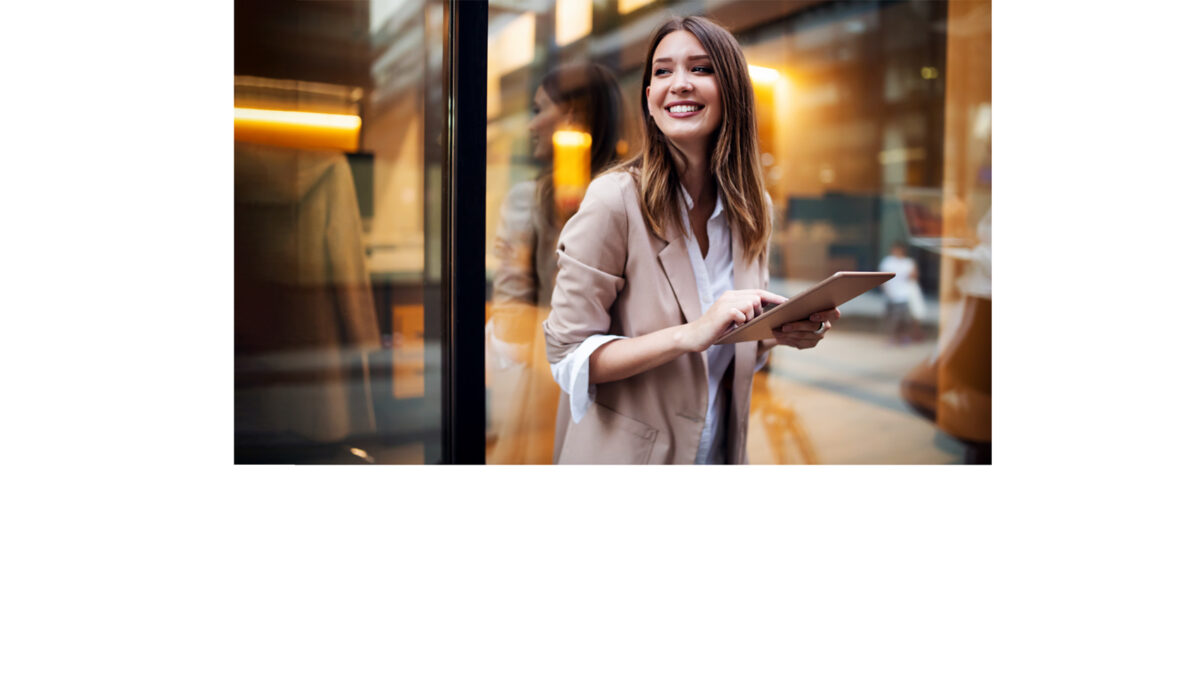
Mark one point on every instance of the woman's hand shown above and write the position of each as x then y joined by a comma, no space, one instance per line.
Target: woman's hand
806,334
733,308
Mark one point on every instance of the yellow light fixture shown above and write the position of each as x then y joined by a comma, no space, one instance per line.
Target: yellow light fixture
566,138
510,49
572,169
572,20
627,6
297,129
763,76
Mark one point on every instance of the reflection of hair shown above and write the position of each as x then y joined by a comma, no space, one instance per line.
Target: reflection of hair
734,156
590,92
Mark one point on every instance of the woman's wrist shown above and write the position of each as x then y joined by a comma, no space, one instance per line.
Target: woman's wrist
685,340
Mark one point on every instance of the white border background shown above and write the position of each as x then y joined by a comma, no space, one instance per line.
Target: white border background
133,544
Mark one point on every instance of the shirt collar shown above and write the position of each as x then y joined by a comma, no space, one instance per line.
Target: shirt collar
718,208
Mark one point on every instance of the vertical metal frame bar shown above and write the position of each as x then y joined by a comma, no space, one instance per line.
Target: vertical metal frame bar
463,280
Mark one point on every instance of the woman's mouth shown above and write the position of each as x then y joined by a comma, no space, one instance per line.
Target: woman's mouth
680,110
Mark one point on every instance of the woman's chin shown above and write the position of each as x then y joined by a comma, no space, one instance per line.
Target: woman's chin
689,139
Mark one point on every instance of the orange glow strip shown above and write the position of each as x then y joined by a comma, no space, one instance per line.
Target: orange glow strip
761,75
572,139
627,6
297,129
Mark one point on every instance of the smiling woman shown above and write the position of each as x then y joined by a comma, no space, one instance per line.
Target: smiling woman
643,294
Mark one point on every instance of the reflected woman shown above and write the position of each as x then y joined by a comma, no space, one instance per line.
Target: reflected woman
667,252
582,102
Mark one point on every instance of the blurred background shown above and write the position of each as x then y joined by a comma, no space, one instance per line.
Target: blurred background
875,133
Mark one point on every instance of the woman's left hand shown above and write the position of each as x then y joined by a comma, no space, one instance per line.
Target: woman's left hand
806,334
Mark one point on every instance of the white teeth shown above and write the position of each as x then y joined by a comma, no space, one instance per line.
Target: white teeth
683,108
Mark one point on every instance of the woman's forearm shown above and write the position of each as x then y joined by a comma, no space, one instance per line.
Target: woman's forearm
620,359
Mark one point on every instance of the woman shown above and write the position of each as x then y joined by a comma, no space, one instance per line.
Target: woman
576,97
665,254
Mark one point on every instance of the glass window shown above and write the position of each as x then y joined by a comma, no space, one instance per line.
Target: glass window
875,137
337,162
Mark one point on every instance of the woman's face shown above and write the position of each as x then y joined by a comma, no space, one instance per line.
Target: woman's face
684,97
548,117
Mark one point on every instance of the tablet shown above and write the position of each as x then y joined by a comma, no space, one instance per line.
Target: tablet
828,294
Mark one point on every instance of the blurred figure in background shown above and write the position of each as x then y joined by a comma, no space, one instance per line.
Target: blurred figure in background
900,292
582,104
304,316
953,387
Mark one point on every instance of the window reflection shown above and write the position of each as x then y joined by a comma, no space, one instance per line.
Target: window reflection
333,162
577,118
874,122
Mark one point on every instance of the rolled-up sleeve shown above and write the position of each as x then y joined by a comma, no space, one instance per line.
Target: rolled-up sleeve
591,269
572,374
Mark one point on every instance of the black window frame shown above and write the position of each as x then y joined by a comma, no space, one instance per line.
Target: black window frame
464,413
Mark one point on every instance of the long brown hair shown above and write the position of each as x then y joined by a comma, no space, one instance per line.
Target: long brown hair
734,156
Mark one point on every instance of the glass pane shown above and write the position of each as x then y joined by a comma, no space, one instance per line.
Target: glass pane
875,142
337,183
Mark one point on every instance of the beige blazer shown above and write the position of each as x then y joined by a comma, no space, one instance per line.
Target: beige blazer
616,277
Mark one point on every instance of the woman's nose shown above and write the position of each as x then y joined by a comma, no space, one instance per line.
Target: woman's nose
681,82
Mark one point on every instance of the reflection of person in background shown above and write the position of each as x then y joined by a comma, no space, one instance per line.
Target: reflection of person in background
899,291
583,98
665,254
304,318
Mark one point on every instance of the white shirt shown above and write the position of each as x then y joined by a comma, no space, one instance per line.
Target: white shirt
897,288
714,276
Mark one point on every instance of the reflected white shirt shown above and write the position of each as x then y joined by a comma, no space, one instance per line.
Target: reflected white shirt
714,276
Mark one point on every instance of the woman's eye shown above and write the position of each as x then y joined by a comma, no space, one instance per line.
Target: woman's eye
703,69
660,71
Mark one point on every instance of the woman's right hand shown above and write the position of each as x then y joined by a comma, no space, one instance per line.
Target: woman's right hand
732,309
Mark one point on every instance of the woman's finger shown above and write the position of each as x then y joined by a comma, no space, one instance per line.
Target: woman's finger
768,296
826,315
801,327
798,339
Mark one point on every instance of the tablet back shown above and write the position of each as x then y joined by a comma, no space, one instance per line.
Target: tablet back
828,294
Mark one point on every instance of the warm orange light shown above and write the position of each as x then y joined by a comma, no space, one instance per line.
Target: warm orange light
572,19
297,129
764,76
511,48
627,6
572,139
572,169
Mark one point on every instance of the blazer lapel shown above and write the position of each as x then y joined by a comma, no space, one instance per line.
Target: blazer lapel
678,267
